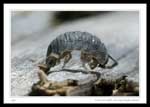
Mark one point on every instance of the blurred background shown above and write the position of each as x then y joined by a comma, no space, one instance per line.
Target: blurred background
25,23
32,32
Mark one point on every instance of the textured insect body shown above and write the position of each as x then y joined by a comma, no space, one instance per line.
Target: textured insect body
91,47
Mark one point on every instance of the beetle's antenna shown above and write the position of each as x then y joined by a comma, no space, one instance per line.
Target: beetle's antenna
114,64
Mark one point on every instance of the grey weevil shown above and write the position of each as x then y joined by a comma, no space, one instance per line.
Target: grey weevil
92,50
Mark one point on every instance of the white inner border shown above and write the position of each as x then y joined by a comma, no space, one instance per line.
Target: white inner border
74,7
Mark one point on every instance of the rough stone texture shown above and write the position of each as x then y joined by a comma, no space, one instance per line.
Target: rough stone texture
119,31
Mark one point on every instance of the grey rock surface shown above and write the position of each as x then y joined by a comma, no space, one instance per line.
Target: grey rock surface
119,31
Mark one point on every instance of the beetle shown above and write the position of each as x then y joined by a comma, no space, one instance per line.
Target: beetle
93,51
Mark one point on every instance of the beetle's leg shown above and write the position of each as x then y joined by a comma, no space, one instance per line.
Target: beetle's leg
93,63
84,66
44,67
51,61
85,59
67,57
115,63
42,77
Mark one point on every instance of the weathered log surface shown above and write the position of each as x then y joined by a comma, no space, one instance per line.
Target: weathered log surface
119,31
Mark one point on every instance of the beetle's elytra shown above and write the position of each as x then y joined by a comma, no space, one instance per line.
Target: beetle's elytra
92,50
